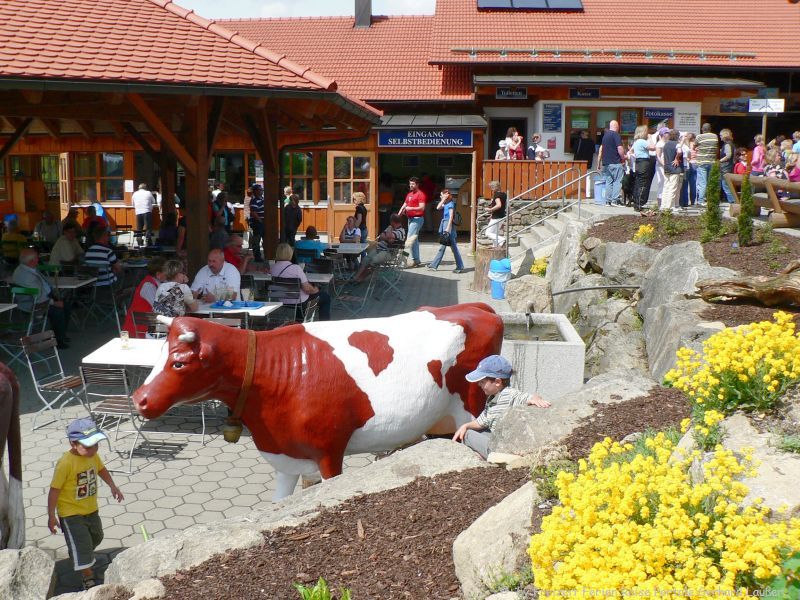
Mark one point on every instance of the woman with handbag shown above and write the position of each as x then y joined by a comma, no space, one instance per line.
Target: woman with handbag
447,232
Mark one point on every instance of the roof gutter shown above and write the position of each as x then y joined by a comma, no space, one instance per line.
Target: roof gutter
365,112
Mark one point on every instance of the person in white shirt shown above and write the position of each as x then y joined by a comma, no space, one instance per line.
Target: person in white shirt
143,202
48,229
216,275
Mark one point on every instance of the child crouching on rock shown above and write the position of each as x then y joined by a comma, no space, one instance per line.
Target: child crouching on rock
493,375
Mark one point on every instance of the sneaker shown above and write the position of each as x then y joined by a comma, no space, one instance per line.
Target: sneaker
458,271
414,265
431,267
89,583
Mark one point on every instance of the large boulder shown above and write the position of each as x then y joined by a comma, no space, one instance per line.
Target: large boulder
564,303
613,333
524,430
669,327
25,574
613,345
777,472
521,263
674,273
529,294
626,264
109,591
495,543
166,555
563,266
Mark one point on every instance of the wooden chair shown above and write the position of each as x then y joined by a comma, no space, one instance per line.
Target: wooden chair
53,386
287,291
305,255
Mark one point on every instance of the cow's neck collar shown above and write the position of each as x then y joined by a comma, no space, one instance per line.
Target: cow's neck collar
235,419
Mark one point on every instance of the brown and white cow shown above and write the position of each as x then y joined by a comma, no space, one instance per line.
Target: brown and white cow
12,513
322,390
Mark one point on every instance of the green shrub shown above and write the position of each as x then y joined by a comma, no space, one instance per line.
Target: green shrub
712,219
320,591
669,224
544,477
508,582
745,220
790,442
787,585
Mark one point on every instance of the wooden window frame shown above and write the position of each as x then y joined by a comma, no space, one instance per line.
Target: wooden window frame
98,178
593,127
5,184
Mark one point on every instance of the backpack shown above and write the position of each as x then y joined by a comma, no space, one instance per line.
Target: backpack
456,218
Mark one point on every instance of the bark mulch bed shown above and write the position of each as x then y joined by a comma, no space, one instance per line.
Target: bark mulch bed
660,409
760,259
398,543
741,314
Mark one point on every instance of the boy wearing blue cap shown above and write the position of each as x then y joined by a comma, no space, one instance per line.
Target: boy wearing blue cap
493,375
73,491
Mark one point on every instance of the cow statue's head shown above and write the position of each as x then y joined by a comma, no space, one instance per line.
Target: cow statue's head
186,371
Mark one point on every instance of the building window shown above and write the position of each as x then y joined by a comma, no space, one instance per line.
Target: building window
98,175
351,173
297,171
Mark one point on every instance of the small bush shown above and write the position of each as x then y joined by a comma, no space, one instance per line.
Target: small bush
669,224
644,235
320,591
787,584
765,233
790,442
745,220
502,581
712,219
544,477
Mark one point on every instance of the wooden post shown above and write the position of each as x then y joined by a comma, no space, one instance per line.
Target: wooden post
169,172
197,186
764,127
263,130
483,256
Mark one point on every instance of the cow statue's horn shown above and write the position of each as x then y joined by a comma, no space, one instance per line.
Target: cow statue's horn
189,337
165,320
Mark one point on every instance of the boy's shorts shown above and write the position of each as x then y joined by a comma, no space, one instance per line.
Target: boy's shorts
83,534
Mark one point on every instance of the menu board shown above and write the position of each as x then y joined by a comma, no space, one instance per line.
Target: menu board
551,120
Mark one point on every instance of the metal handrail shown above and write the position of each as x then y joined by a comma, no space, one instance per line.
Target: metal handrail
521,194
560,210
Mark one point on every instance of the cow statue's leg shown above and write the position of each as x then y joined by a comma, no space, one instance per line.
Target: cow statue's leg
287,472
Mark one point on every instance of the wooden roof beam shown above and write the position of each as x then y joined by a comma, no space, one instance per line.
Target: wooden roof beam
52,127
163,133
18,134
143,143
85,127
214,121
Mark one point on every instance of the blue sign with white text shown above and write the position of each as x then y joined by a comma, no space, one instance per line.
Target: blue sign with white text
425,138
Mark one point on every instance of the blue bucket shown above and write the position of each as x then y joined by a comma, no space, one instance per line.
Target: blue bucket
498,290
499,274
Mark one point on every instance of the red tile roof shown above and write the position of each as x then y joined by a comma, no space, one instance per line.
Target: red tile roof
767,28
385,62
143,41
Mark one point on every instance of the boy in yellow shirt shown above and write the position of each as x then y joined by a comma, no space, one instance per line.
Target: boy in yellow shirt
73,492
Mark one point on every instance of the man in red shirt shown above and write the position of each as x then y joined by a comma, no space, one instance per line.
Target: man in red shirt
235,254
414,209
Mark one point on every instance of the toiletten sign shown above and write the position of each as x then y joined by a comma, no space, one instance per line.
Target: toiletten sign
511,93
425,138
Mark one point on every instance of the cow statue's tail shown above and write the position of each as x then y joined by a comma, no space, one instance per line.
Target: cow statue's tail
12,513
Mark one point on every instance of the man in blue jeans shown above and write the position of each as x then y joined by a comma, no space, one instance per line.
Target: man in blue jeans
414,209
612,157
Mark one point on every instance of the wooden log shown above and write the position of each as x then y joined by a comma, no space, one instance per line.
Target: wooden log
483,256
783,290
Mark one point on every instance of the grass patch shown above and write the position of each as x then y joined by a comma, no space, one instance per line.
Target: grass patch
544,477
790,442
509,582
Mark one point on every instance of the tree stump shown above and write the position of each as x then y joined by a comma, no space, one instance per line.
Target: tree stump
782,290
483,256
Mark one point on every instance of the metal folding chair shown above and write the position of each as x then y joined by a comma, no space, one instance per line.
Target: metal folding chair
54,387
22,323
353,296
155,328
111,390
390,273
287,291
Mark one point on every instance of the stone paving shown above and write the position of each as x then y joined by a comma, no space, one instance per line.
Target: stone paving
185,482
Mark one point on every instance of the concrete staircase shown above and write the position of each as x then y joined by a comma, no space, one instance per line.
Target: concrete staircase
542,239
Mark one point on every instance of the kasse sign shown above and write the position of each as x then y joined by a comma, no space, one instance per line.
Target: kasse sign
425,138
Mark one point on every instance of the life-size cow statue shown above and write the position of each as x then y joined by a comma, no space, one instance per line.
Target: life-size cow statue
12,513
311,393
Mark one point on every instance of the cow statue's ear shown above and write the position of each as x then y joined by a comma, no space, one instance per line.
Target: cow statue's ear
206,353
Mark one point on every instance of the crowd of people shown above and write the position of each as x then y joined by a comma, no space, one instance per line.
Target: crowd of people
676,165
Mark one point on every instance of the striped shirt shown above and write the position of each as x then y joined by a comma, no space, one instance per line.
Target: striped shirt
103,258
399,236
498,405
707,148
257,206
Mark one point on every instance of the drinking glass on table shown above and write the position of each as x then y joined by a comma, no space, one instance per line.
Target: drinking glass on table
124,337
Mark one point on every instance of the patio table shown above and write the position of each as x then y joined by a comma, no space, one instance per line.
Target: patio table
140,353
4,307
353,249
315,278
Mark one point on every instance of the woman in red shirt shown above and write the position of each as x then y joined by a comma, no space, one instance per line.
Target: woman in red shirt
144,296
740,168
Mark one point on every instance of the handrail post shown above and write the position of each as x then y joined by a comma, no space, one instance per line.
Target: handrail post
508,221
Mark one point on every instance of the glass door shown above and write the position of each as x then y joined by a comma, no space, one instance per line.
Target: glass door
349,172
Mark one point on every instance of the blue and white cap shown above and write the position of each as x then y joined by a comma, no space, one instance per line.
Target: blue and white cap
494,366
85,432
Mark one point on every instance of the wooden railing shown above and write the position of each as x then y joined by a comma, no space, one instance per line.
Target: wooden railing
517,176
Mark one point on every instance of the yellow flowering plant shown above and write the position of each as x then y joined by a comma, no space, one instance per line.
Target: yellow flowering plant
643,527
747,368
539,266
644,235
